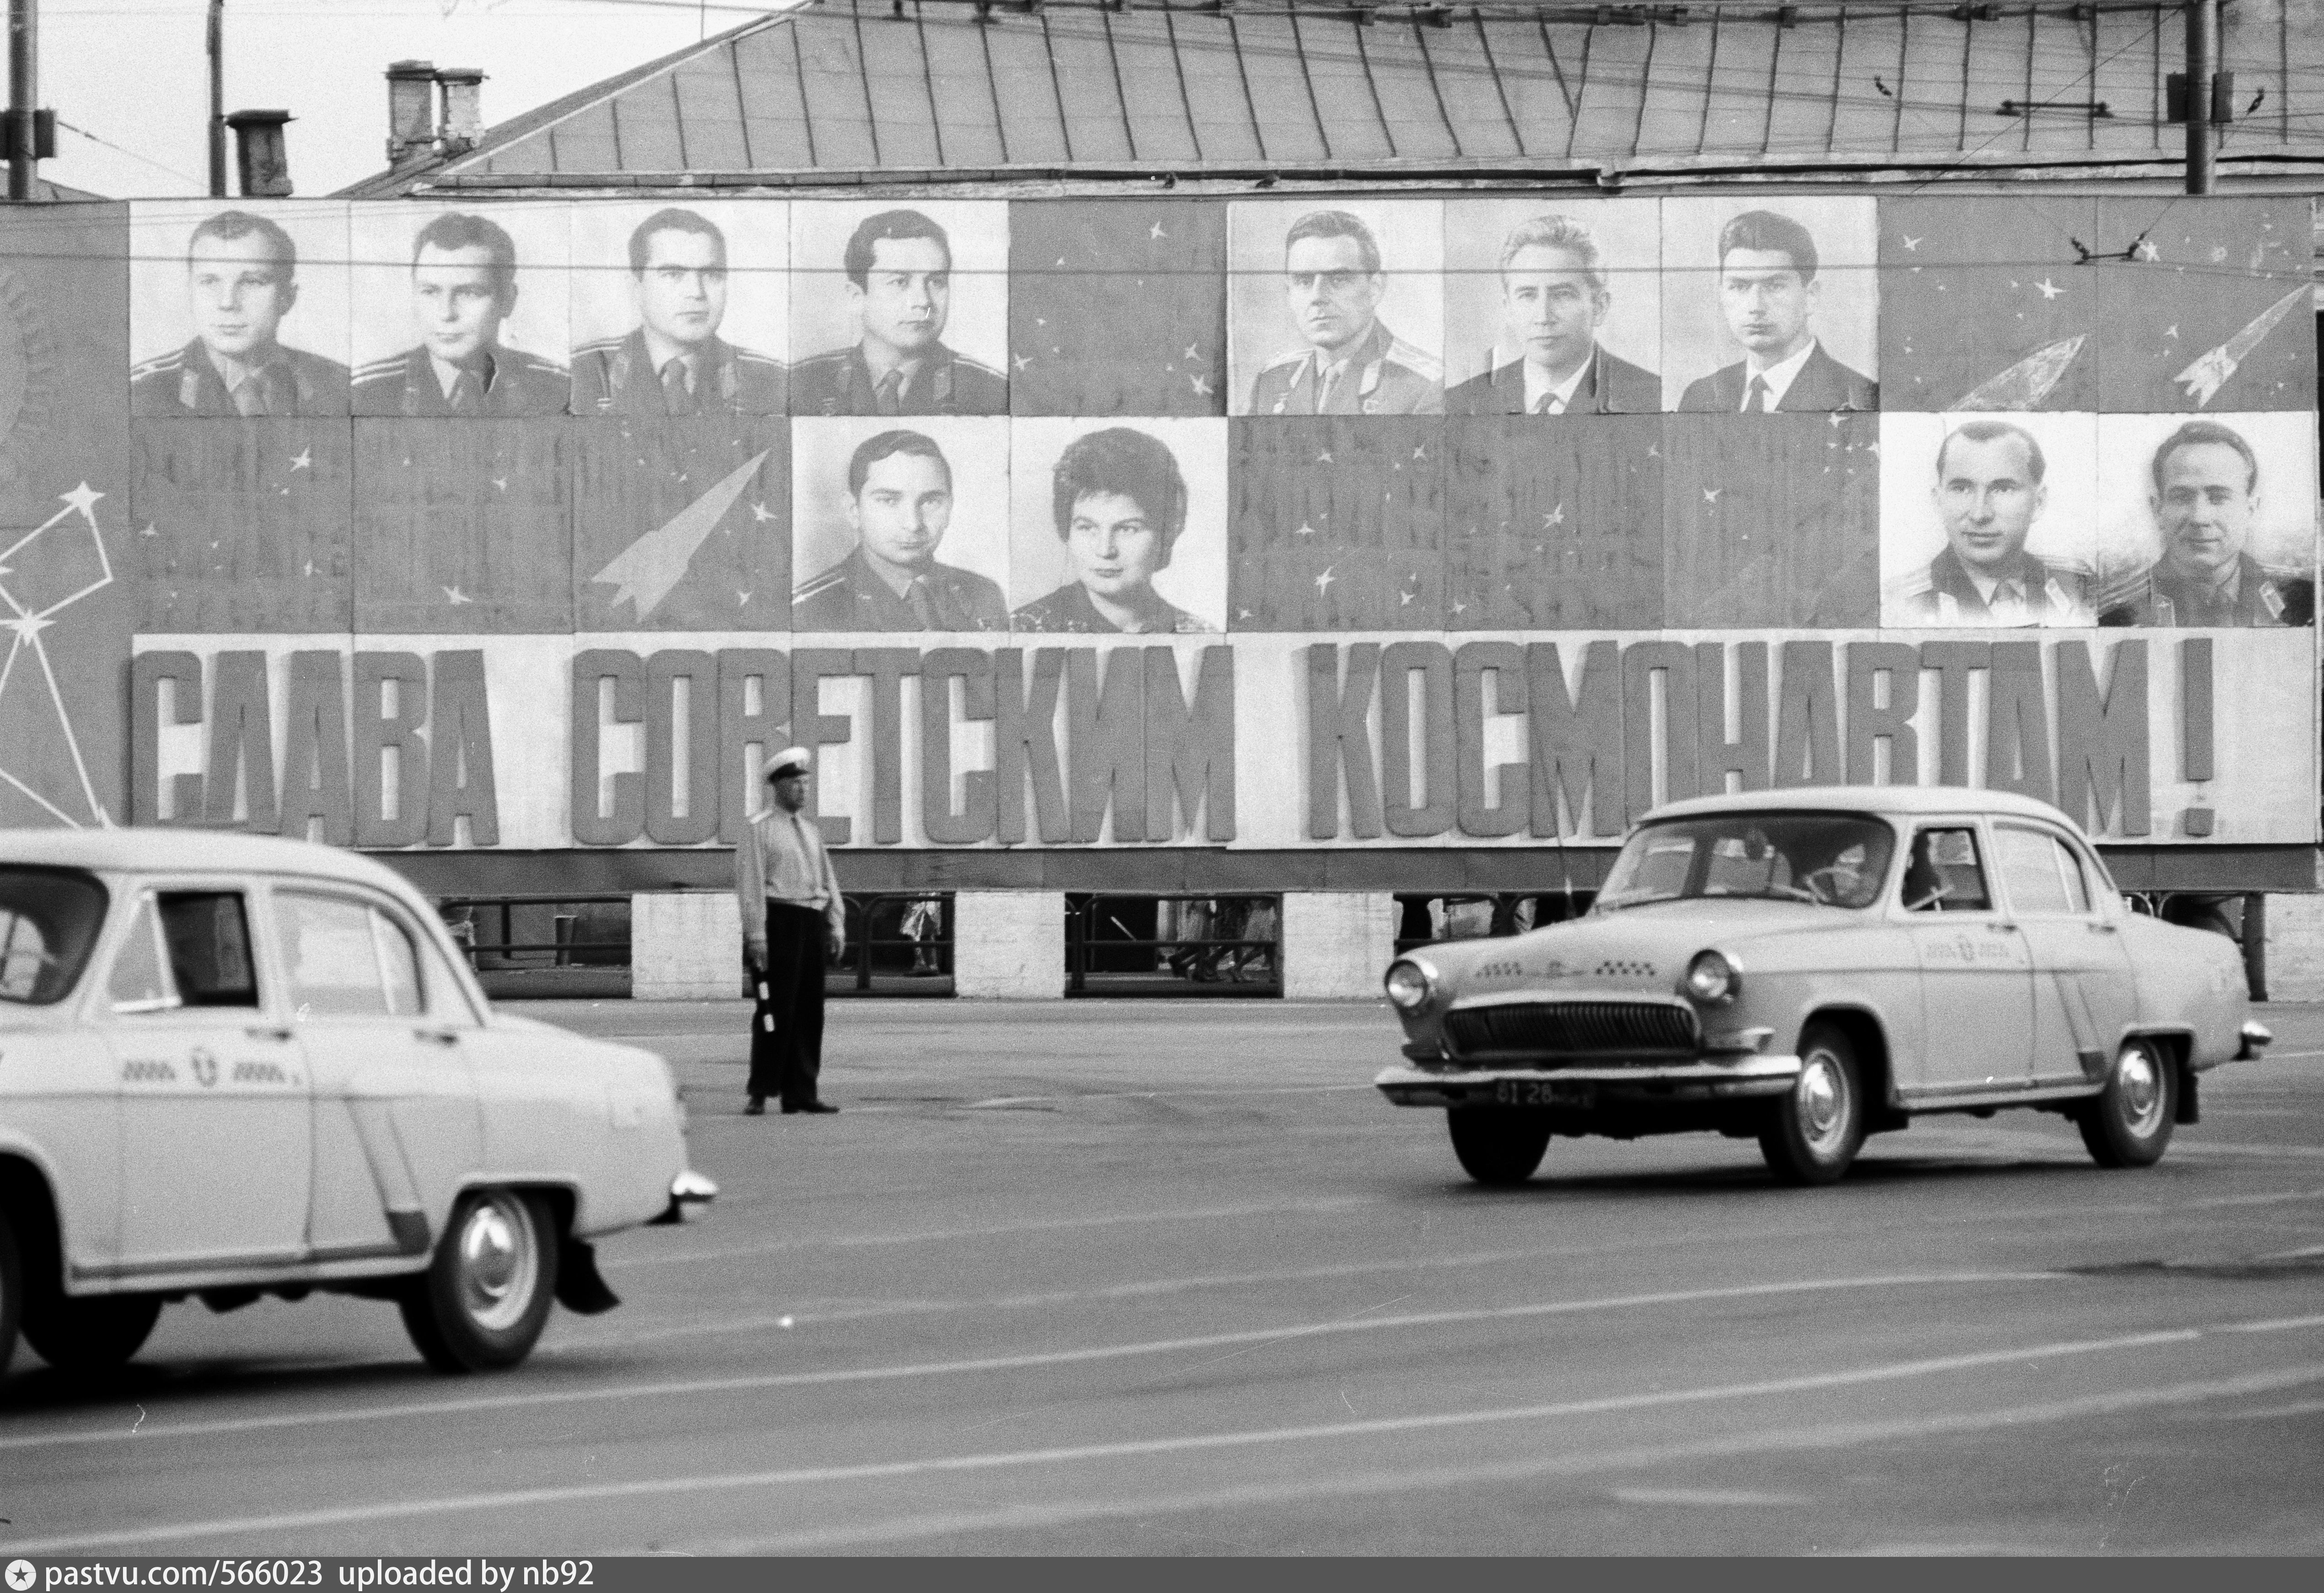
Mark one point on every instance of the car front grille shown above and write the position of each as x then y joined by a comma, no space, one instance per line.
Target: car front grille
1559,1034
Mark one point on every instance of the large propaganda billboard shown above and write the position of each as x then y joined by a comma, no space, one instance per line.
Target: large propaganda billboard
1332,521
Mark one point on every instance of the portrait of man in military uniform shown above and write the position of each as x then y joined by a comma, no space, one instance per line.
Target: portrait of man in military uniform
463,287
899,504
1119,501
241,282
1989,491
2206,502
900,290
673,361
1554,297
1347,361
1768,297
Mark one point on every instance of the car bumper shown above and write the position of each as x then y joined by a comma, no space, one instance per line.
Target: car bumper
1583,1086
2256,1038
689,1192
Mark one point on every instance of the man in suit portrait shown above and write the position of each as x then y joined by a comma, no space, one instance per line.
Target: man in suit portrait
2205,501
242,279
900,506
1553,299
463,288
1349,363
1767,289
674,362
1119,504
1988,492
899,286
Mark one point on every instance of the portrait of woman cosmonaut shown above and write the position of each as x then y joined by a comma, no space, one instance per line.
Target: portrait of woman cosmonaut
1119,504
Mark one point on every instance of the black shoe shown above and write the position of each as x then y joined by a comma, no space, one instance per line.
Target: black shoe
756,1108
812,1106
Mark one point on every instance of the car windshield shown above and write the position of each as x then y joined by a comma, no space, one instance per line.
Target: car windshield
49,920
1830,859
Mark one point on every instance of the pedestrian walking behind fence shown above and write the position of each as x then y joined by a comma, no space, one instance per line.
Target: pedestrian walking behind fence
792,916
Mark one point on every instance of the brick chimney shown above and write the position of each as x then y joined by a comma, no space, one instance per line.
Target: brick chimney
410,108
464,108
260,156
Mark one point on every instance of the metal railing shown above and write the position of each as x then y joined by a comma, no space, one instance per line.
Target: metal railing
1174,945
898,943
585,952
1425,919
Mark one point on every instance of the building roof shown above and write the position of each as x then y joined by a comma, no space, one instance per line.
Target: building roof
858,93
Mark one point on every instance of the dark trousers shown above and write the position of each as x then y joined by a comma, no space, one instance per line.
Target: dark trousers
786,1024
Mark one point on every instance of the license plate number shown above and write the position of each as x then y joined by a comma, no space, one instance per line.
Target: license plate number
1542,1092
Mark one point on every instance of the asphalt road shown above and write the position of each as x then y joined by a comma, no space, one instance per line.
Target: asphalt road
1172,1279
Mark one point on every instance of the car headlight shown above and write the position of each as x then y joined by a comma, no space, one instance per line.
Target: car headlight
1713,979
1409,985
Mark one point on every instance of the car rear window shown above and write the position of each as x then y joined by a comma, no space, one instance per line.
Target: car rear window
49,920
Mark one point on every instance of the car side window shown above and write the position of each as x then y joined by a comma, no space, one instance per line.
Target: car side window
206,936
2044,876
139,979
1945,873
344,957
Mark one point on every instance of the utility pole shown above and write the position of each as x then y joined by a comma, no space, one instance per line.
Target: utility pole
2202,63
24,96
217,99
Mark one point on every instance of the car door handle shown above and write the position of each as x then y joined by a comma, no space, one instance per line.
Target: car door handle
439,1036
267,1032
2103,929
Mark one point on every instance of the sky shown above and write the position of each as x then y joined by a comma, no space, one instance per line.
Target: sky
132,74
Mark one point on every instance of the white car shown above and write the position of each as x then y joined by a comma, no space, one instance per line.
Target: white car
233,1066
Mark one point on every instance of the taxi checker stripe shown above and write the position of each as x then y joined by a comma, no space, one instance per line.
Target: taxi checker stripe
150,1432
648,1488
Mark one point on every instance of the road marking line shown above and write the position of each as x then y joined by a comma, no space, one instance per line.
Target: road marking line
1062,1224
1404,1481
1164,1094
1003,1363
1082,1454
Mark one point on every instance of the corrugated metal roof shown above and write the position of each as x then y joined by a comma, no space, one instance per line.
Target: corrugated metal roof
930,91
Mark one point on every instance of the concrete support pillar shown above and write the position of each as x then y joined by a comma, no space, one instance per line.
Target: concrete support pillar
1336,944
686,946
2295,948
1009,944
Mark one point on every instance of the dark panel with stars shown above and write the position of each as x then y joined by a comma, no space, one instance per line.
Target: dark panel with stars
66,606
1117,308
1772,521
1338,524
2213,309
682,524
1983,306
462,526
243,525
1554,524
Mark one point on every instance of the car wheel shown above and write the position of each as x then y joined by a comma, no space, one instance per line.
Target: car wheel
1498,1147
12,1291
481,1303
1818,1127
88,1337
2128,1124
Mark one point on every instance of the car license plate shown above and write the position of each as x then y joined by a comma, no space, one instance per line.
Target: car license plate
1543,1092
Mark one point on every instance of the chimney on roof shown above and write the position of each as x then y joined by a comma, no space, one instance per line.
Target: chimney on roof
411,108
260,157
464,108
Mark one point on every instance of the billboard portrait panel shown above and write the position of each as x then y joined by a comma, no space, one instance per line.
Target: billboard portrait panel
238,308
681,309
1781,292
1988,520
1335,307
1118,526
1553,306
2207,520
899,526
1982,311
682,523
1117,307
900,309
461,311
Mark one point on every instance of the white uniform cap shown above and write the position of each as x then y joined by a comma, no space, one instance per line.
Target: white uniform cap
789,760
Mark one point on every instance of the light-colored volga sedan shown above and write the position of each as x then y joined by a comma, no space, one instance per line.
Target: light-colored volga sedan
1808,967
232,1067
